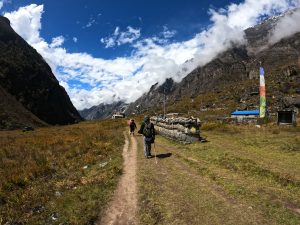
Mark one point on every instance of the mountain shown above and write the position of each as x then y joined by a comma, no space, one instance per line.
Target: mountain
27,80
231,80
103,111
13,114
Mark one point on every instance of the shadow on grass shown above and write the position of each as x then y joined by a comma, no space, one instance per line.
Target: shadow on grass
164,155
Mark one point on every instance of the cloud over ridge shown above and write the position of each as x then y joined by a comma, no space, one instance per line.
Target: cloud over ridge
286,26
153,60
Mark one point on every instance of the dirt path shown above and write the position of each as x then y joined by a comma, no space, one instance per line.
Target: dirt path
123,207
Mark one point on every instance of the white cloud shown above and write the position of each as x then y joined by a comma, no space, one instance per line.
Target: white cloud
27,22
2,2
286,26
229,25
117,31
75,39
109,42
129,36
90,23
121,38
153,59
57,41
168,33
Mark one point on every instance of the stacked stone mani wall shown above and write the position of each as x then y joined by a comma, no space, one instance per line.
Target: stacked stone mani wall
181,129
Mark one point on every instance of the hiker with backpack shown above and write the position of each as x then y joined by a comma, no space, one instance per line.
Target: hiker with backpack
132,126
147,130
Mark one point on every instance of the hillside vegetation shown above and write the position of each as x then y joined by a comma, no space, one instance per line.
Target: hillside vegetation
242,95
59,175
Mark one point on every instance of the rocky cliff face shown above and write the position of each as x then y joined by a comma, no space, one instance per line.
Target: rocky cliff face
103,111
231,80
13,115
26,77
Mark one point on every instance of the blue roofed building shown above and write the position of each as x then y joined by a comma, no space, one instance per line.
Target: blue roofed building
245,115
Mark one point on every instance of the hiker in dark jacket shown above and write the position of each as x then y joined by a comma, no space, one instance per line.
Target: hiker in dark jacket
147,129
132,126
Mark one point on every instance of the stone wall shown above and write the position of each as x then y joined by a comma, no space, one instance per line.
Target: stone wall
181,129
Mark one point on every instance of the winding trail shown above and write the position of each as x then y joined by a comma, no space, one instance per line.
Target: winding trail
123,207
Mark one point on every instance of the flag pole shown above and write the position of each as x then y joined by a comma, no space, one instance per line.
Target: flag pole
262,92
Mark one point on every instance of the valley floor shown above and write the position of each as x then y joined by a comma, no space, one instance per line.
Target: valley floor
243,175
74,175
59,174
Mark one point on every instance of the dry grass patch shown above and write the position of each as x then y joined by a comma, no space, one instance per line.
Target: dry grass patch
243,175
59,175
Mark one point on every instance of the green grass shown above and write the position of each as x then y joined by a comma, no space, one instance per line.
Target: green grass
59,175
66,175
243,175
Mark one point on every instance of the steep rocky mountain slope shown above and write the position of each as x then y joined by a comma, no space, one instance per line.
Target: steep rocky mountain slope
14,115
230,81
28,79
103,111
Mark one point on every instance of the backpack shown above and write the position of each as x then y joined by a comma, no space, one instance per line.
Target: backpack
147,131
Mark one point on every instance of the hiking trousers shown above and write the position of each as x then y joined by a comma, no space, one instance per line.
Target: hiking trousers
131,129
147,148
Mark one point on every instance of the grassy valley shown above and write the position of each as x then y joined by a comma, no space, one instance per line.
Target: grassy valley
243,175
66,175
59,175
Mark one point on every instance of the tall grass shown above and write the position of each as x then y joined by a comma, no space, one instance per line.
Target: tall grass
59,174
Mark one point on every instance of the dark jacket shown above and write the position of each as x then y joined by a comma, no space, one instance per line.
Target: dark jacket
132,125
142,129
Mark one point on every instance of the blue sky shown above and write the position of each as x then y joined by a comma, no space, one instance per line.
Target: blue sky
109,50
90,20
